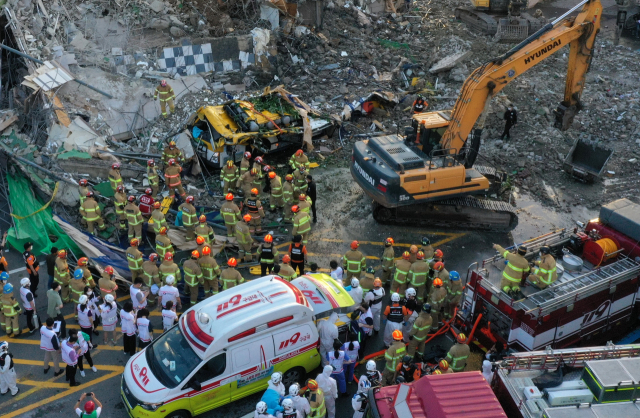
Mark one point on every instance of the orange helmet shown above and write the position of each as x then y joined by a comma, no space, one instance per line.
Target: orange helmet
406,255
134,242
163,230
444,365
168,256
437,372
153,257
288,177
172,144
272,175
199,240
82,261
286,258
420,255
172,161
83,182
232,262
438,253
355,245
295,208
413,249
254,191
397,335
115,166
268,238
120,189
109,270
438,266
461,338
229,197
189,199
302,197
246,217
206,250
131,198
151,163
389,241
258,160
62,254
157,205
377,283
247,155
195,254
299,153
312,384
202,219
254,171
229,163
437,282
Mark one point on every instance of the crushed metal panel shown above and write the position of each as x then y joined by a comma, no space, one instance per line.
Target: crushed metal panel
48,76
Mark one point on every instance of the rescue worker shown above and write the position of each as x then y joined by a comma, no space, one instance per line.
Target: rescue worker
166,95
513,272
411,305
299,159
419,104
91,213
402,267
229,176
172,151
300,402
107,282
231,215
134,259
257,180
189,217
61,274
245,182
413,254
298,254
511,119
243,236
438,255
356,291
158,218
7,371
275,196
210,272
437,300
360,400
354,261
169,268
231,277
152,277
454,294
393,318
120,201
406,369
393,356
193,276
154,179
545,272
77,285
374,298
327,334
443,366
83,189
388,260
289,410
172,177
168,293
267,254
366,281
163,243
301,223
146,202
287,193
300,184
134,219
275,383
262,411
254,206
286,271
245,164
329,387
316,400
458,354
304,202
427,249
115,178
418,276
419,331
373,375
11,310
86,273
204,230
439,272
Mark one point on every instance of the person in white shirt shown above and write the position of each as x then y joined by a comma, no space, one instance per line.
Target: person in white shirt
300,403
145,331
290,410
128,327
351,350
85,315
138,296
169,293
50,343
93,304
336,271
275,383
374,299
28,302
85,345
89,407
169,316
109,313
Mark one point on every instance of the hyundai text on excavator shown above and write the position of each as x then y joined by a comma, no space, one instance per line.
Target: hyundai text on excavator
427,175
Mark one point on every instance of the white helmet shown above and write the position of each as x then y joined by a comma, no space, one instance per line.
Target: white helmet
355,282
83,299
276,378
294,390
411,292
4,346
395,297
261,407
108,298
371,366
170,279
287,404
25,282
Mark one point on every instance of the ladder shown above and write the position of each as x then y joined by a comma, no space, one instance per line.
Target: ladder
553,238
575,357
561,294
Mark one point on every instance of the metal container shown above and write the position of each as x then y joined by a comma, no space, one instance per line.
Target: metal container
571,262
609,381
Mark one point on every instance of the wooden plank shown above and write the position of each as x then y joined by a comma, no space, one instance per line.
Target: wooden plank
63,118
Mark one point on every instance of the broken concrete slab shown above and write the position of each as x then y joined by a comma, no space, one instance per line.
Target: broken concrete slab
449,62
157,6
79,136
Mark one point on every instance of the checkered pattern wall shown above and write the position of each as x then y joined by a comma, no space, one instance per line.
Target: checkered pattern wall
192,59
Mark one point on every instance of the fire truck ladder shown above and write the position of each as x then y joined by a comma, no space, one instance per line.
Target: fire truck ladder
562,294
574,357
552,238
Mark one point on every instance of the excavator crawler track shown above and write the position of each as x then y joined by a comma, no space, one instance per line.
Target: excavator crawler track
479,21
459,213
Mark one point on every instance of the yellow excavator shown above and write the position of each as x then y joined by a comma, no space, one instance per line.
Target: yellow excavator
427,175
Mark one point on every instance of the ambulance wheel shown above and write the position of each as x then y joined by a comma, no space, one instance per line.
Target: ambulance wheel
179,414
295,375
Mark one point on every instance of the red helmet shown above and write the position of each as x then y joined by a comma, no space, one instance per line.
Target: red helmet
266,168
202,219
163,230
163,83
120,189
151,163
168,256
247,155
312,384
131,198
438,253
195,254
172,161
438,266
268,238
134,242
229,196
206,250
172,144
109,270
272,175
89,407
246,217
62,254
115,166
302,197
258,160
153,257
156,205
354,244
420,255
199,240
232,262
84,182
286,258
189,199
254,191
406,255
397,335
389,241
437,282
254,171
295,208
299,153
89,193
148,191
288,177
82,261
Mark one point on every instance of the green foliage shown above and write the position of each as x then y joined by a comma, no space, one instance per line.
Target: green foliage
275,104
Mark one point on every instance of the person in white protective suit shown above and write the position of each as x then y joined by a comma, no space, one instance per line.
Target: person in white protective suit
289,410
7,372
356,291
359,400
486,371
329,387
300,403
374,298
275,383
261,411
328,332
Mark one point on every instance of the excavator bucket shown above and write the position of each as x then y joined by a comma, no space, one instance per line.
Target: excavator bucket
512,30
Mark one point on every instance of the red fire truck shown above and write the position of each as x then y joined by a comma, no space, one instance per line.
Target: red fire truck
595,299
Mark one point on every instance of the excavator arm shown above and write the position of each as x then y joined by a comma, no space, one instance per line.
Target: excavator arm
486,81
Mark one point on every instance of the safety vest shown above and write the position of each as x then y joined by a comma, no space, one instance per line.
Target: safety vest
510,270
163,245
83,316
457,357
115,179
547,276
168,293
172,175
189,215
286,272
290,414
421,327
165,92
297,254
402,270
276,187
252,205
230,213
320,410
378,295
395,314
133,292
354,261
66,353
419,272
229,174
133,214
209,267
135,260
407,373
24,292
336,362
392,360
46,335
109,313
265,253
152,176
143,329
90,208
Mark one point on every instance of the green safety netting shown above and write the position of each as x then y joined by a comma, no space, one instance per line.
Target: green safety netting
36,228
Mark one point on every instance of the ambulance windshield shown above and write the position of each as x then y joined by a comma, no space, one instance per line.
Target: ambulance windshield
171,358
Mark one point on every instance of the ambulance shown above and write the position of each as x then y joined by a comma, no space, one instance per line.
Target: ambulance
223,349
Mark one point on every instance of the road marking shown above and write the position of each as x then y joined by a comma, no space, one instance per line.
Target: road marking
449,234
17,270
37,342
40,383
106,367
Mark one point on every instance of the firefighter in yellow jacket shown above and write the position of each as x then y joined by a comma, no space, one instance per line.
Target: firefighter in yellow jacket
243,236
419,331
172,177
120,201
393,357
275,197
189,217
154,179
115,178
354,262
402,267
151,276
287,195
61,274
245,182
317,407
301,223
388,261
193,276
298,159
210,272
231,215
458,354
230,277
134,258
245,164
254,206
545,272
172,151
204,230
158,218
417,278
165,93
229,176
169,268
11,310
514,271
300,181
134,218
163,243
91,213
83,189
